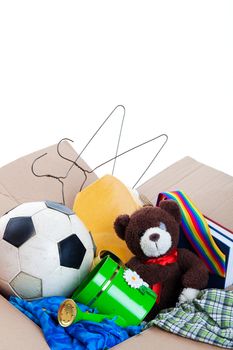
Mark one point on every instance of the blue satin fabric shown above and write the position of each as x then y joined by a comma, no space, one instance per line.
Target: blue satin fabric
82,335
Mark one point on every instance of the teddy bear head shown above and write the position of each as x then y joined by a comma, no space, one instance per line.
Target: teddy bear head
151,231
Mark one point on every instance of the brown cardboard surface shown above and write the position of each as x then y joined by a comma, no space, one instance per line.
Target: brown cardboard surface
17,331
18,184
210,189
157,339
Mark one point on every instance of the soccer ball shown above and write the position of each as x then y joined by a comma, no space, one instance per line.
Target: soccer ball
45,250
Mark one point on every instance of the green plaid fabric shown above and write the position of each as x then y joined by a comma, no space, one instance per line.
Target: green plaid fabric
208,318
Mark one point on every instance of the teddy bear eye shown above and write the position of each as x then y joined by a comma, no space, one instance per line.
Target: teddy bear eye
141,233
162,226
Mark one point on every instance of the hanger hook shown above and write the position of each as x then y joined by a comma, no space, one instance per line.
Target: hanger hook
48,175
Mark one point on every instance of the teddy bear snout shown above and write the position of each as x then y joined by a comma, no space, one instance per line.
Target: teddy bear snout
154,237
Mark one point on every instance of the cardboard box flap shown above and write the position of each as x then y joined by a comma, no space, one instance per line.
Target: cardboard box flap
210,189
18,184
18,331
7,200
157,339
171,175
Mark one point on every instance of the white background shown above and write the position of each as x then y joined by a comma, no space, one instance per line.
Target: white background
64,65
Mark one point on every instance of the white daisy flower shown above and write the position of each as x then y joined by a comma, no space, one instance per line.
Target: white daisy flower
133,279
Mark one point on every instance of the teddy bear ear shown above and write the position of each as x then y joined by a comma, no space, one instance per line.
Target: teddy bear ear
120,225
172,208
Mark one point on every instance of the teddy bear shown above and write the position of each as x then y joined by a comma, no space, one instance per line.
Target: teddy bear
152,235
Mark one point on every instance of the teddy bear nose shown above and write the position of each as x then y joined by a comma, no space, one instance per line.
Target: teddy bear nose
154,237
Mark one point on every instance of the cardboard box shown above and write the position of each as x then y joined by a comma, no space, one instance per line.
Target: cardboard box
157,339
18,184
210,189
18,331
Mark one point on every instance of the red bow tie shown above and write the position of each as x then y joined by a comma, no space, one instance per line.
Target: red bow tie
164,260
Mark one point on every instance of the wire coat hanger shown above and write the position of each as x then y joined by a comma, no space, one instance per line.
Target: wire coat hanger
114,158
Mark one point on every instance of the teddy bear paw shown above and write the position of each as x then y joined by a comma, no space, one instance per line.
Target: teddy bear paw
188,294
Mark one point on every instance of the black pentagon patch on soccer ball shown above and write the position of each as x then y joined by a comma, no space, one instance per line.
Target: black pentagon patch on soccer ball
59,207
71,252
19,230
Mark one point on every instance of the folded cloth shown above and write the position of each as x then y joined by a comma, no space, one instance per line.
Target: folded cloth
208,318
79,336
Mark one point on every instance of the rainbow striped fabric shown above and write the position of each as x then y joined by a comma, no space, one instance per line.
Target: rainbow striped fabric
197,232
